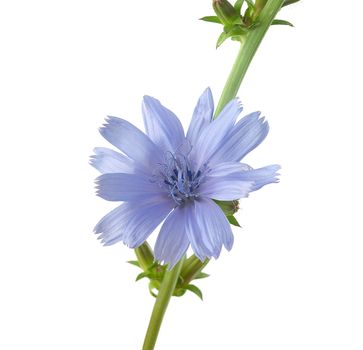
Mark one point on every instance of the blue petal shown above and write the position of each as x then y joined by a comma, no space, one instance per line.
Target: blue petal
246,135
207,229
131,141
215,133
261,176
127,187
132,223
228,168
162,126
172,242
202,116
226,188
108,161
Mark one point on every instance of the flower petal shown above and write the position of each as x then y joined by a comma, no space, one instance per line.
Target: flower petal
162,126
215,133
228,168
127,187
131,141
202,116
106,160
226,188
172,241
261,176
207,229
246,135
132,222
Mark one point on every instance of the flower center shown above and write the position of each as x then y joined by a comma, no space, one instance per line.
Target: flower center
178,177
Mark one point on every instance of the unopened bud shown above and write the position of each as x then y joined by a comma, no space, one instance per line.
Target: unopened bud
225,11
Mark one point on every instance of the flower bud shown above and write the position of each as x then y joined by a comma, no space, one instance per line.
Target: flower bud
144,256
228,207
225,11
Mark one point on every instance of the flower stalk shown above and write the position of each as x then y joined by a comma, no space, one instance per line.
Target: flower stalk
166,291
248,48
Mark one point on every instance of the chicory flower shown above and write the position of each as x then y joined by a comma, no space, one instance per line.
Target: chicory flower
167,176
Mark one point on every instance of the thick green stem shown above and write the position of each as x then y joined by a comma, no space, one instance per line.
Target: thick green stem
166,291
248,49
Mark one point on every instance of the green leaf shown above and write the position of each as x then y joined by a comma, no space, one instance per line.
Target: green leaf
201,275
212,19
238,5
221,39
282,22
134,262
194,289
142,275
232,220
289,2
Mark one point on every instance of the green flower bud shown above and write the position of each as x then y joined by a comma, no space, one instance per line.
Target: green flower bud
144,256
228,207
225,12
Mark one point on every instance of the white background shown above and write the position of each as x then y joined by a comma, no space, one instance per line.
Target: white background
294,277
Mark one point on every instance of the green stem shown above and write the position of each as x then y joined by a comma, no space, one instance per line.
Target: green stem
248,49
166,291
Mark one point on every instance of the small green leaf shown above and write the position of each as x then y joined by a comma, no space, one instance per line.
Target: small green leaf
238,5
142,275
232,220
289,2
201,275
134,262
222,38
212,19
282,22
194,289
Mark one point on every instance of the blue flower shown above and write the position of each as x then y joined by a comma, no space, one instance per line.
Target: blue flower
167,175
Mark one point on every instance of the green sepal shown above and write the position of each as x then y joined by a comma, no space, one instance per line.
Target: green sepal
194,289
233,221
282,22
221,39
134,262
212,19
201,275
289,2
142,275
